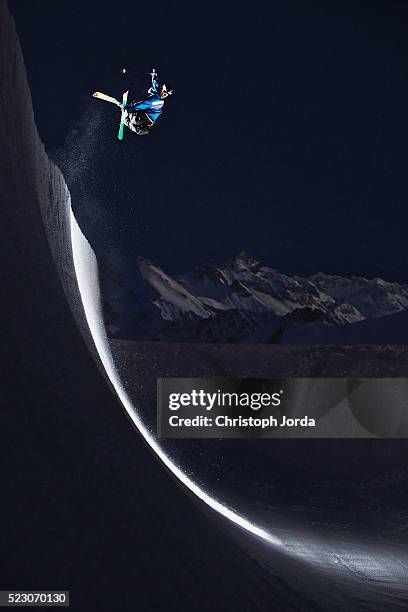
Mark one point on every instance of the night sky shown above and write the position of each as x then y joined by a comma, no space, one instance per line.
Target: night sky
286,135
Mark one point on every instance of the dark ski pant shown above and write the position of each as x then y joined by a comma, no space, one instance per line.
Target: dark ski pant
138,122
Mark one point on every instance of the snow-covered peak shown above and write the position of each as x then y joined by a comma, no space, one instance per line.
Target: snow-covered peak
372,297
172,297
244,261
243,283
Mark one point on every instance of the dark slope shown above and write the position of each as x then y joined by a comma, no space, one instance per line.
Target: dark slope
85,505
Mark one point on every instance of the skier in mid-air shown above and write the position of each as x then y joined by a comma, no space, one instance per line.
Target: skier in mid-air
141,115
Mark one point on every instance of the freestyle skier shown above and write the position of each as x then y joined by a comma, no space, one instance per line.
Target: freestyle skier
140,116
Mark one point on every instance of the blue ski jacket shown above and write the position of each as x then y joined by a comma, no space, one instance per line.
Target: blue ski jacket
153,105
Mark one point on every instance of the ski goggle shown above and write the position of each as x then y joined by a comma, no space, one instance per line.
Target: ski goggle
167,91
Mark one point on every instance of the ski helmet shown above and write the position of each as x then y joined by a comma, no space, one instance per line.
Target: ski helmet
167,88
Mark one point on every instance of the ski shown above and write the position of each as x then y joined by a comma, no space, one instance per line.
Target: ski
122,119
102,96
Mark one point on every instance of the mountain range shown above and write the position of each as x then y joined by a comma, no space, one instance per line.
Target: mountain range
243,300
